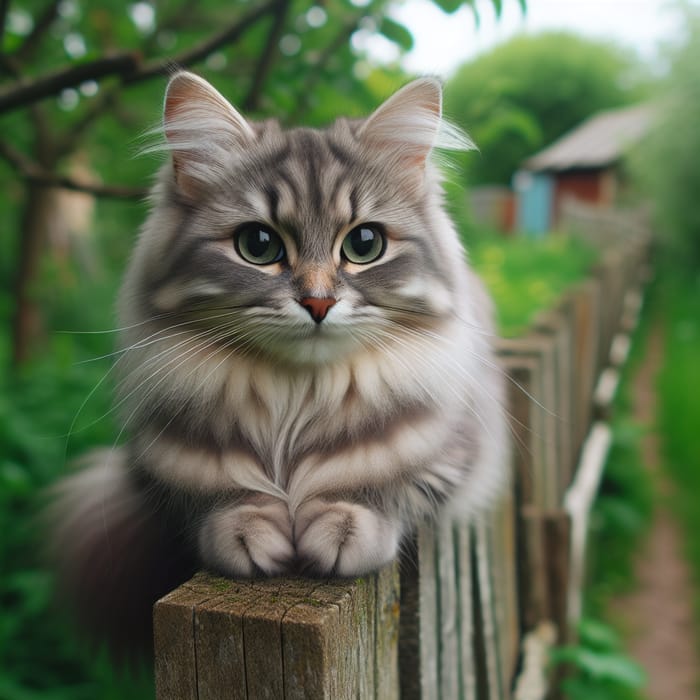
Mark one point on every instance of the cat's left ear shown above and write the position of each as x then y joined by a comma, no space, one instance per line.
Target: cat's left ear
408,123
202,129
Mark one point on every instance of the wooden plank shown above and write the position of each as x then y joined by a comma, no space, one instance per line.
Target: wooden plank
486,602
604,394
465,594
409,623
634,300
522,375
587,300
532,568
505,575
543,418
605,273
557,538
619,349
428,612
533,681
578,503
558,324
448,610
386,630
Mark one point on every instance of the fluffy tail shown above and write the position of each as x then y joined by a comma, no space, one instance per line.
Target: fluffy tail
115,551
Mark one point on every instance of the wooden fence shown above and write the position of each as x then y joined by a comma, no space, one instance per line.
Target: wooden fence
472,610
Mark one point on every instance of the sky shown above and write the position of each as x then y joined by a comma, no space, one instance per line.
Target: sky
442,42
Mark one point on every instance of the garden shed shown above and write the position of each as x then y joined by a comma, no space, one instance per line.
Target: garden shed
584,164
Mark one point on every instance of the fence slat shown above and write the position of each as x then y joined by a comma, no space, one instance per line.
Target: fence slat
467,631
485,599
447,590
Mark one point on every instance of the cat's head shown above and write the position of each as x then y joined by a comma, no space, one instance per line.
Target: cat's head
301,244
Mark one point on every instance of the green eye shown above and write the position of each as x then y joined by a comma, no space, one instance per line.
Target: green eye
364,244
258,244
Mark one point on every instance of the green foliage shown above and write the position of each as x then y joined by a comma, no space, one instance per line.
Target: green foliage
666,163
680,405
525,276
602,671
40,656
530,90
620,517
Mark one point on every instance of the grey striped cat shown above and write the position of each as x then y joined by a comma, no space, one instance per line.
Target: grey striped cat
307,368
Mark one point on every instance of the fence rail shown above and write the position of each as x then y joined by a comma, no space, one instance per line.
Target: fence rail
472,610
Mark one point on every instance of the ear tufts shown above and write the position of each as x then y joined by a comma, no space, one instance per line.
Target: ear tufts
189,97
202,129
410,123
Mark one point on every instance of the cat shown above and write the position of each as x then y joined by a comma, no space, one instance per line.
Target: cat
306,366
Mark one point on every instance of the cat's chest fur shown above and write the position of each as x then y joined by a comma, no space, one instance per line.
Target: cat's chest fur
244,422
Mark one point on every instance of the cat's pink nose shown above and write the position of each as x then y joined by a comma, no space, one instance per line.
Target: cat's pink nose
317,307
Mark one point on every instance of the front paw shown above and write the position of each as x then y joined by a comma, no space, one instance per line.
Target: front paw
248,539
346,539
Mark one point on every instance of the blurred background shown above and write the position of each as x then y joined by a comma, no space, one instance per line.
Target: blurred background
586,114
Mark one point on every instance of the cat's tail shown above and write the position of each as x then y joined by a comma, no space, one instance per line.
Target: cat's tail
114,552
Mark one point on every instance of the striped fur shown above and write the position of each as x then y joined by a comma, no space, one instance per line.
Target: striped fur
293,444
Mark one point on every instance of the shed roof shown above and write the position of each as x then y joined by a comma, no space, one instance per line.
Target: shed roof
598,141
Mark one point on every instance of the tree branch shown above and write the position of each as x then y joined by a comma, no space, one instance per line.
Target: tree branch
4,7
128,65
251,100
33,172
53,83
41,26
346,31
204,49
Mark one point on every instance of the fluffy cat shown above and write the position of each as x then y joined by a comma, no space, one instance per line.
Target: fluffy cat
306,367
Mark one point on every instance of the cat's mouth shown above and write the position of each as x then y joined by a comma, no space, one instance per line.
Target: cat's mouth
309,344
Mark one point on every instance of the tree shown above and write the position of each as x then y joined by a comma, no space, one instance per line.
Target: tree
77,80
667,164
529,91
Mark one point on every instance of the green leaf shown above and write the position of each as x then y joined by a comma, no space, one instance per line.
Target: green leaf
451,6
602,665
397,33
597,635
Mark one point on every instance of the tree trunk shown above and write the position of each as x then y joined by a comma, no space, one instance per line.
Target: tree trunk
27,324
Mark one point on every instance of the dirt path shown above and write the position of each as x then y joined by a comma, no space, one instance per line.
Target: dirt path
658,615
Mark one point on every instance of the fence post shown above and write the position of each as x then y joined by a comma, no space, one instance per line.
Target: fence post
278,638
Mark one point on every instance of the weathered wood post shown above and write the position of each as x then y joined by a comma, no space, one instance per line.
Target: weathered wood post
285,639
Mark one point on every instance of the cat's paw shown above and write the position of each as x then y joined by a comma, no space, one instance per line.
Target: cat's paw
341,538
248,539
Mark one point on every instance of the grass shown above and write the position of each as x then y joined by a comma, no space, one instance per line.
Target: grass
527,275
679,393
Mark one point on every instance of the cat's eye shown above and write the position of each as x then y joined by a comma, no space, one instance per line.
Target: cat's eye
258,244
364,244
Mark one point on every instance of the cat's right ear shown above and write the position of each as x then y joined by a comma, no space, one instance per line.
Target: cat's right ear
202,130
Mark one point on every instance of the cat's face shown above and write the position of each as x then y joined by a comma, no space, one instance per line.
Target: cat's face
303,244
